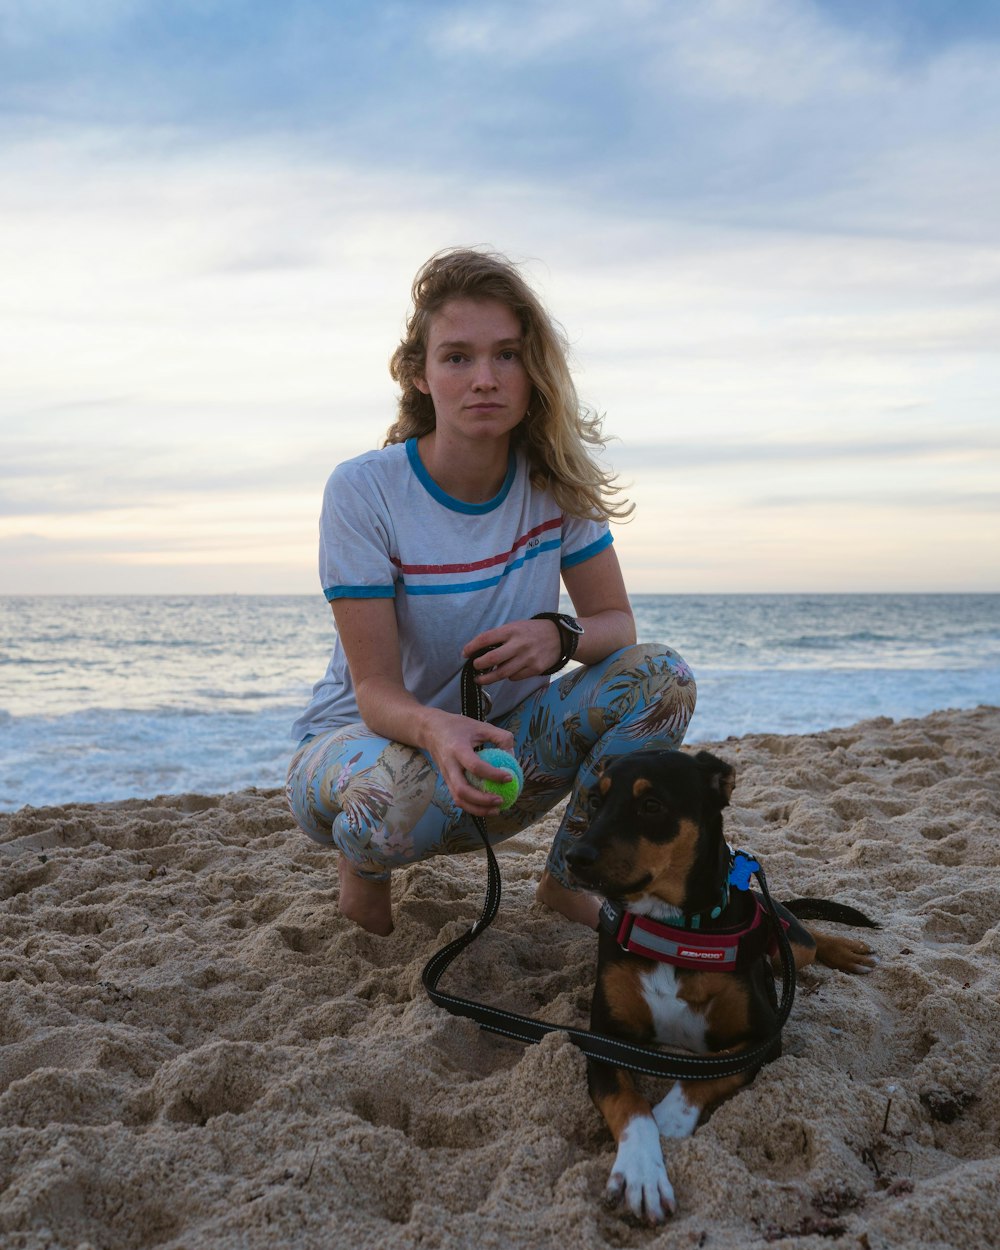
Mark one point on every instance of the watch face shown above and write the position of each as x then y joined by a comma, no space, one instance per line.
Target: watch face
571,624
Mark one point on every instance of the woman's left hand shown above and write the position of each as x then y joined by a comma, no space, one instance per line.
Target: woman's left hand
528,648
521,649
531,647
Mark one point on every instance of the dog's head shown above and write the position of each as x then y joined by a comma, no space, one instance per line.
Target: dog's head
656,830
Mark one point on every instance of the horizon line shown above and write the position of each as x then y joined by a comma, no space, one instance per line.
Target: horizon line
639,594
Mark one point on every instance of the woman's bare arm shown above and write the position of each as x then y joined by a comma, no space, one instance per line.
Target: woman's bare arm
368,634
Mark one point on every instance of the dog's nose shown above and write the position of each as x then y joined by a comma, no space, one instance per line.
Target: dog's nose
581,856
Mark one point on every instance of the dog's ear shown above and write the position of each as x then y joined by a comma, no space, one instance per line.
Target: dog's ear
720,776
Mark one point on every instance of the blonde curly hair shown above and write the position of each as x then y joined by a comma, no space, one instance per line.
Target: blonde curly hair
557,431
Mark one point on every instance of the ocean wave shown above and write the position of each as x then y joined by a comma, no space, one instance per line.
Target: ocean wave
100,755
838,641
167,695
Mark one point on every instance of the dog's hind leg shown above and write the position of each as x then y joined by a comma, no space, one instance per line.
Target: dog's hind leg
800,939
843,953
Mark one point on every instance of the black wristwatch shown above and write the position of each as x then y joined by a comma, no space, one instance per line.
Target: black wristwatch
570,630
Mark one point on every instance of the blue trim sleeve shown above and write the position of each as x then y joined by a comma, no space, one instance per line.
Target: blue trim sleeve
359,592
578,557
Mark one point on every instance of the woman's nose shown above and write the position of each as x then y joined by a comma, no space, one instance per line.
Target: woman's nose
484,376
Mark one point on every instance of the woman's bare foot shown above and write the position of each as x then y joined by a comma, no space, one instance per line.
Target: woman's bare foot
368,903
575,905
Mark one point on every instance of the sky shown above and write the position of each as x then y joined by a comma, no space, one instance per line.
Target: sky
770,229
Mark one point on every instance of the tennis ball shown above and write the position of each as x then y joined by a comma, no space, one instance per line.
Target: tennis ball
508,790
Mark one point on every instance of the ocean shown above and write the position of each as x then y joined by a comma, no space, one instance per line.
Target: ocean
112,698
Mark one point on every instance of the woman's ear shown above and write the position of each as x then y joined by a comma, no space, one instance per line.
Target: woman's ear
421,385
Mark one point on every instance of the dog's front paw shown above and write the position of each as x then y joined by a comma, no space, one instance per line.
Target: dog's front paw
674,1115
639,1176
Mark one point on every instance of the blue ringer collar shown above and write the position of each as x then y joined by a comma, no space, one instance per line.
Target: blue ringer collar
447,501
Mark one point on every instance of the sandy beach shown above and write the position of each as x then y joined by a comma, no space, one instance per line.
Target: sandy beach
196,1051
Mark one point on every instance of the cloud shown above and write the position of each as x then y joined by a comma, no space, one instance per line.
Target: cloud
154,480
895,501
777,113
769,229
27,24
916,32
770,53
674,454
518,34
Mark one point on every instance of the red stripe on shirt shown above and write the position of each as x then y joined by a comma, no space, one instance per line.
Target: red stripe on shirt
555,523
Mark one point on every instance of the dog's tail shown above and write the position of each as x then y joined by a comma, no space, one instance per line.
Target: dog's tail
826,909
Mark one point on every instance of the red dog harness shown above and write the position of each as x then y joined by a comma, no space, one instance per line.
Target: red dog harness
686,945
725,950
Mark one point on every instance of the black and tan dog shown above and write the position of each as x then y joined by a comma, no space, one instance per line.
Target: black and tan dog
684,959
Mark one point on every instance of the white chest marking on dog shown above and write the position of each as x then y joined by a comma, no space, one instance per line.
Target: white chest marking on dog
674,1023
639,1174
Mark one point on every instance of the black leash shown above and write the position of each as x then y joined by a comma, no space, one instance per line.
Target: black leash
612,1050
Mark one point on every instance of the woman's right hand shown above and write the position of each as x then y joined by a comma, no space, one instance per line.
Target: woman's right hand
367,629
451,741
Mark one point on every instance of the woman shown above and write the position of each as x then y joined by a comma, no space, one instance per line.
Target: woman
450,539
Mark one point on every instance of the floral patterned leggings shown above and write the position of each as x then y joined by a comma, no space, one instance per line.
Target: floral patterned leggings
383,804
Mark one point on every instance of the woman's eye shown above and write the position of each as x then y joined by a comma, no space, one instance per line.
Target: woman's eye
455,358
508,354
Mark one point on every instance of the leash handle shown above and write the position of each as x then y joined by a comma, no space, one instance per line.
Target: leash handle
474,698
611,1050
475,705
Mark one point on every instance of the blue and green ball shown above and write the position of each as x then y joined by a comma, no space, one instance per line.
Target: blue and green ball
508,790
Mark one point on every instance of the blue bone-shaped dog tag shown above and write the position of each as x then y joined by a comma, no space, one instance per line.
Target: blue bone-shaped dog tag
744,866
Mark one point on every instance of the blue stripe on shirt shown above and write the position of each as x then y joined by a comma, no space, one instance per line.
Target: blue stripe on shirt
459,588
595,547
359,592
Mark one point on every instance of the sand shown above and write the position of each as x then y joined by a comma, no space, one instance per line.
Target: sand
196,1051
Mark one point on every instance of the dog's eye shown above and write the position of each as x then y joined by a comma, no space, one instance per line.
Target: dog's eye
593,801
650,807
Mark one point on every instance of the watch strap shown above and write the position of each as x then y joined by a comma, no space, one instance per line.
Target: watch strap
568,638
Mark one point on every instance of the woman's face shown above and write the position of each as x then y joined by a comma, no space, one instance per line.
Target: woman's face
474,372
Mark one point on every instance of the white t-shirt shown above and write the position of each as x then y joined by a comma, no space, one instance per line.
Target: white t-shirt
454,569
